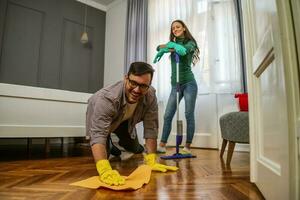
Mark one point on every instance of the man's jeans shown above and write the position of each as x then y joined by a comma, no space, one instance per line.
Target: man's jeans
125,141
189,92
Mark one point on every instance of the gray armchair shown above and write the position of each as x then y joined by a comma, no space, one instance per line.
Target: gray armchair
234,129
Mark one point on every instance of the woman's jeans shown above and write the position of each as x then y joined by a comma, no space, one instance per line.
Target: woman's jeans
189,92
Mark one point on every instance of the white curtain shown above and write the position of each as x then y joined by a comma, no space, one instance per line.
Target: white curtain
213,24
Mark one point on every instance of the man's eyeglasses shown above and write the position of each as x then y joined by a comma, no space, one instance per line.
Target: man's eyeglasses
134,84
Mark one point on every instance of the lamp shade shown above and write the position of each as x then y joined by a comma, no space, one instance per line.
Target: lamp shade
84,38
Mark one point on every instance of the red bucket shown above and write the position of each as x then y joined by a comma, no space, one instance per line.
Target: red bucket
242,101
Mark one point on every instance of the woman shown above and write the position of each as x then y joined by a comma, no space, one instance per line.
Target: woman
184,44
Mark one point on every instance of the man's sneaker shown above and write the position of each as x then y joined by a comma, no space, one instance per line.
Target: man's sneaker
186,150
161,149
115,151
126,155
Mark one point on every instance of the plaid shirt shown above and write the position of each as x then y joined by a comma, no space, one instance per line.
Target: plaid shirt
106,109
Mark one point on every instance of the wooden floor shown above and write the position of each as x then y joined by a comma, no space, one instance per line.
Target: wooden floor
48,177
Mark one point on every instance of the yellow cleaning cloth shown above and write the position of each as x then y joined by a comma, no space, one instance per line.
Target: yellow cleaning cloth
135,180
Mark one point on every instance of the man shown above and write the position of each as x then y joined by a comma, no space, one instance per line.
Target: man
118,108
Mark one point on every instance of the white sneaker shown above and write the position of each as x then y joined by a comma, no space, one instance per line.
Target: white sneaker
126,155
186,150
161,149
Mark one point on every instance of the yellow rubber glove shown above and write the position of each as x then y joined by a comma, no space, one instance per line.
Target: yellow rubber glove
107,175
150,159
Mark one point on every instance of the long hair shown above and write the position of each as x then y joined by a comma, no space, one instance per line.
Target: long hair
188,36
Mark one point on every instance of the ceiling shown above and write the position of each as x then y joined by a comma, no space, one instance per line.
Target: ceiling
104,2
98,4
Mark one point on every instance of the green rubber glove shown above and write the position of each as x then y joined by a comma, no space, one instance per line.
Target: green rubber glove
150,159
107,175
181,50
160,53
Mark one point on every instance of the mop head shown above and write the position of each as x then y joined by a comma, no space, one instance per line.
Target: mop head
178,156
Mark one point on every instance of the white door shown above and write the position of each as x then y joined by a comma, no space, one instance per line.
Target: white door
269,89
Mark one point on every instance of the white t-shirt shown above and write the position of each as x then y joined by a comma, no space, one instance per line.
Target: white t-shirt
129,110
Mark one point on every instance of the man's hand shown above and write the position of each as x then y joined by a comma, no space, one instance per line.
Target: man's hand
150,159
107,175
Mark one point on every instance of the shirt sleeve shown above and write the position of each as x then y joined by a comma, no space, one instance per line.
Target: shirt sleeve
100,120
150,120
190,46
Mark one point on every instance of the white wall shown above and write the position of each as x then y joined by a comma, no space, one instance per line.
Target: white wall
115,41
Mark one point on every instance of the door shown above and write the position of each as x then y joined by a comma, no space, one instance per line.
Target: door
273,96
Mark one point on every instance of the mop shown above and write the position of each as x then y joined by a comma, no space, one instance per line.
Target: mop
178,155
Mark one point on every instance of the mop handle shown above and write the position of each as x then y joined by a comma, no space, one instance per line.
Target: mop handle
177,84
179,123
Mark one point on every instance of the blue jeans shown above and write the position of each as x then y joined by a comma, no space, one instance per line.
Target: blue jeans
189,92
